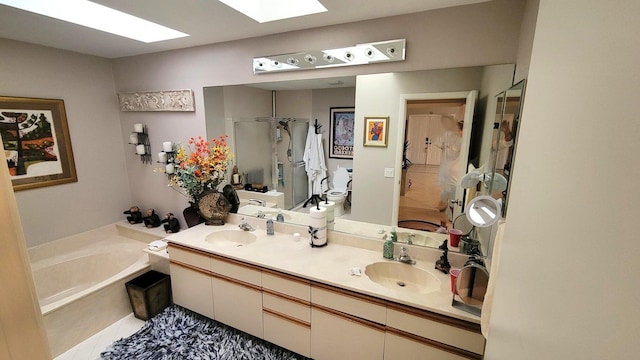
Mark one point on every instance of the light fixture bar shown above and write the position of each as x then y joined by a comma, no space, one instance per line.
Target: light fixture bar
99,17
264,11
361,54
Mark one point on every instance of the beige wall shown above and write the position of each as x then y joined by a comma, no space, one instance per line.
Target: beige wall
85,83
566,285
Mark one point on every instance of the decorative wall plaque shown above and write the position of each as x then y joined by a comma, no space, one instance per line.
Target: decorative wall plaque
167,100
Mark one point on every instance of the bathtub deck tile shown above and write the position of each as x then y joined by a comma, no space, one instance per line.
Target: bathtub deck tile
91,348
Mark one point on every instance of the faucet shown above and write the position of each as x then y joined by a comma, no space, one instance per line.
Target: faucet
259,202
404,257
244,225
410,239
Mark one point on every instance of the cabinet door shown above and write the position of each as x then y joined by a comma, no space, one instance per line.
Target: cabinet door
192,290
287,332
400,347
238,305
340,337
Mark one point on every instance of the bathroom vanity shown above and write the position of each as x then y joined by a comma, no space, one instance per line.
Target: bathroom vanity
323,303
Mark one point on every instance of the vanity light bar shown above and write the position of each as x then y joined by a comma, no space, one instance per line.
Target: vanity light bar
360,54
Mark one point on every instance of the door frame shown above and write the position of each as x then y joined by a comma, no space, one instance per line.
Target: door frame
470,102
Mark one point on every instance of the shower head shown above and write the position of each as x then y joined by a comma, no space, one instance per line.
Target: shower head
284,124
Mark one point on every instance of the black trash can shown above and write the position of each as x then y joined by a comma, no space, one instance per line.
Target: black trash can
149,294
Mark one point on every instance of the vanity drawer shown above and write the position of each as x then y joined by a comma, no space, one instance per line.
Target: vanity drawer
236,271
189,257
349,303
448,331
286,307
297,288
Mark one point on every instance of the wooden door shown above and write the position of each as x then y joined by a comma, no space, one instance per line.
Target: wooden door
417,136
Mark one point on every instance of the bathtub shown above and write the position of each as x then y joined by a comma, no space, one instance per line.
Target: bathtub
80,280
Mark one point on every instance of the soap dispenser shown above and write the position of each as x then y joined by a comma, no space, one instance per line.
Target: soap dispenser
270,226
280,217
388,247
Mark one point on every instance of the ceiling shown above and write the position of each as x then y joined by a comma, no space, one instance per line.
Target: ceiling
207,21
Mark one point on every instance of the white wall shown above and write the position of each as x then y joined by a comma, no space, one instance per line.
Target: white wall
567,282
85,83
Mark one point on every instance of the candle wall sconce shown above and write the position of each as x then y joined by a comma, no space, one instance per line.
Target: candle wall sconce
168,156
140,139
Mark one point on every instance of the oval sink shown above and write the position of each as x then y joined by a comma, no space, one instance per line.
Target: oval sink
402,277
231,238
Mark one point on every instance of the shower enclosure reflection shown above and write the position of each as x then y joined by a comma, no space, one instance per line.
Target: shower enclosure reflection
271,154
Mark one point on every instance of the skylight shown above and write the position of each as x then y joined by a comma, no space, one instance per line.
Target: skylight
271,10
99,17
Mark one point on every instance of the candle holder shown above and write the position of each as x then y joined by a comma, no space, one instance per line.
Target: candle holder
168,157
140,139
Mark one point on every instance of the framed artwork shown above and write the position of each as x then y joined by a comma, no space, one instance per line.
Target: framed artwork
376,130
36,143
341,137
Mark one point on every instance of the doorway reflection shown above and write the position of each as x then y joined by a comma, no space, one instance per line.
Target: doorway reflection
421,204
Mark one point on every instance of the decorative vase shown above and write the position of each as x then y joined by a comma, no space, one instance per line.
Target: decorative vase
213,207
191,215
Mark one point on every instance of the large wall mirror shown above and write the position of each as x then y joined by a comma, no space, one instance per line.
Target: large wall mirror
504,141
380,183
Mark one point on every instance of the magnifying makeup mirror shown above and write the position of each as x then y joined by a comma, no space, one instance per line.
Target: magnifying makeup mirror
483,211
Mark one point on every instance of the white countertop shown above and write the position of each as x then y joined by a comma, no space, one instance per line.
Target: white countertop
330,265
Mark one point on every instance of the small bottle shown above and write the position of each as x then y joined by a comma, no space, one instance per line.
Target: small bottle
270,226
280,217
387,249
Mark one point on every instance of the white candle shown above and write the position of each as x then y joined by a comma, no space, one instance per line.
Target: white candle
167,146
162,157
169,169
133,138
138,128
140,149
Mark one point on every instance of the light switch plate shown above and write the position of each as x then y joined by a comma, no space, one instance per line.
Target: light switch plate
388,172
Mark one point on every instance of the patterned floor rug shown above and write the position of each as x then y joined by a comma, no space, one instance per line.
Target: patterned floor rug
179,334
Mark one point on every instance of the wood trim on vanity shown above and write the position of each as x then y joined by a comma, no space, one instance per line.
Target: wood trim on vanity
349,293
355,319
287,276
236,281
286,297
286,317
425,314
435,344
190,267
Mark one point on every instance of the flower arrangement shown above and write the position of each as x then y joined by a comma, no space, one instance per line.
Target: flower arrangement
200,166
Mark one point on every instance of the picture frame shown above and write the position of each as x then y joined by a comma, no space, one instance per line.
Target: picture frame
376,131
36,142
342,122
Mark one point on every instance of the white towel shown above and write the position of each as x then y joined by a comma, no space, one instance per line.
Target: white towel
314,162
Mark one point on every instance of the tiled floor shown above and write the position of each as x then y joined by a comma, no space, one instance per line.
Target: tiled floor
91,348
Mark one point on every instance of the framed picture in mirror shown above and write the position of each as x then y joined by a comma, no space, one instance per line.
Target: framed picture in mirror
341,132
376,130
36,142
